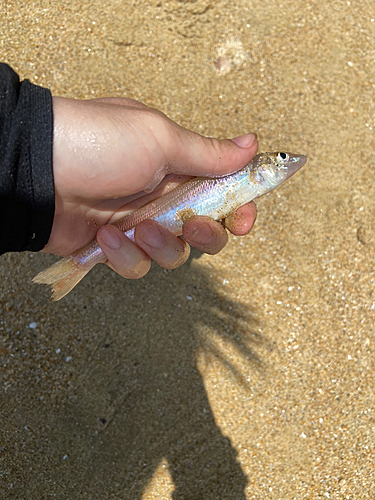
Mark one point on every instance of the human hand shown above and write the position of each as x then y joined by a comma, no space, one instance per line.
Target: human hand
111,156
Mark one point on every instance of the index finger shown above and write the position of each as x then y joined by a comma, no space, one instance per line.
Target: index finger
242,220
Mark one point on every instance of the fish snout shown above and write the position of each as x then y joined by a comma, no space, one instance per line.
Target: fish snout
295,163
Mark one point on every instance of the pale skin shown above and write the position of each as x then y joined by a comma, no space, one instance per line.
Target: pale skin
113,155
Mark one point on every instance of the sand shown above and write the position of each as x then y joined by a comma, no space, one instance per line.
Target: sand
248,375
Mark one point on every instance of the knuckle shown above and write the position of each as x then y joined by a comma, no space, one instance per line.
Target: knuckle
217,155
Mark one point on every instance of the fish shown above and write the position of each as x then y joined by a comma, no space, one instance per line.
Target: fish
215,197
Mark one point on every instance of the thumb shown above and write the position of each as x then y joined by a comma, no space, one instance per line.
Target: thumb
193,154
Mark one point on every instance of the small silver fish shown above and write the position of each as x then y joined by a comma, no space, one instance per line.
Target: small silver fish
214,197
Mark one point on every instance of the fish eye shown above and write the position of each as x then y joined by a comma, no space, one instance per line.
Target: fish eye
283,157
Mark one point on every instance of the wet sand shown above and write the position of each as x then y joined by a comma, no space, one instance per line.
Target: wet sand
248,375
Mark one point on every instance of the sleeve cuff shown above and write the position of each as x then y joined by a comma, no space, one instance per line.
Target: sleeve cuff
27,197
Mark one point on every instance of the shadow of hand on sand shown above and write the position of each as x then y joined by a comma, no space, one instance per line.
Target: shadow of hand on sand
142,391
132,398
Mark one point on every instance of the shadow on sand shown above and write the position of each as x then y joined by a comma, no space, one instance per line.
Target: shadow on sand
138,398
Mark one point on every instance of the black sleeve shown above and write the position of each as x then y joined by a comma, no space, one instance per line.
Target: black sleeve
27,198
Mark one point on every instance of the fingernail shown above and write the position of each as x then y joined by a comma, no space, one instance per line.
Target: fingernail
111,237
245,141
202,235
151,235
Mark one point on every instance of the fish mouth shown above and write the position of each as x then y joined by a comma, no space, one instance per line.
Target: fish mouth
295,163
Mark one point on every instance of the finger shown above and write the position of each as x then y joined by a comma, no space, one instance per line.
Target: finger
124,256
242,220
192,154
205,234
161,245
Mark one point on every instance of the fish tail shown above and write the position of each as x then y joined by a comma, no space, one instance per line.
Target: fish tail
63,276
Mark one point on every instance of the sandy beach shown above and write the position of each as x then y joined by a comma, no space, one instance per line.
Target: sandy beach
246,375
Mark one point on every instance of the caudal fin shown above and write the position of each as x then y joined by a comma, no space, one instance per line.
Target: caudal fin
62,276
